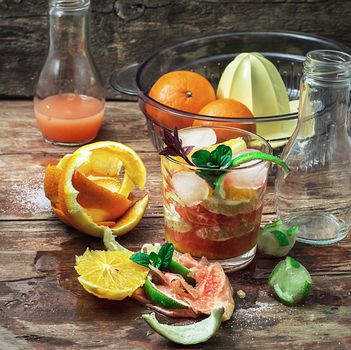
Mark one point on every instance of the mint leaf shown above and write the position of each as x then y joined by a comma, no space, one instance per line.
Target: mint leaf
141,259
224,156
220,158
200,158
166,253
156,261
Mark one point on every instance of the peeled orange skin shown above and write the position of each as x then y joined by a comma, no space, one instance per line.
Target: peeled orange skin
51,179
226,108
68,208
183,90
134,166
95,198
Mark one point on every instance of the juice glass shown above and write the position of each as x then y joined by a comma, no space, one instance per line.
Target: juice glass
221,219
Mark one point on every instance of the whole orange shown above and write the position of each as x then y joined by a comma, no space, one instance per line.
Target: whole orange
183,90
226,107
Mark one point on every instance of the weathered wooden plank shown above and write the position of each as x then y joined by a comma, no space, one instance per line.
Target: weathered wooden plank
75,319
119,28
51,238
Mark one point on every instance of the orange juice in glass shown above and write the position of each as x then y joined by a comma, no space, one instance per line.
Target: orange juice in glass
69,118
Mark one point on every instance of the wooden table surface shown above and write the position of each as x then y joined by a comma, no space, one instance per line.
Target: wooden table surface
42,305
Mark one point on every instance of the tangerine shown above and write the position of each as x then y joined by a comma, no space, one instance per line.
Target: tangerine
183,90
226,108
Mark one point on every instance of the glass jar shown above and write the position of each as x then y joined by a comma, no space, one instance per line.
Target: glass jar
216,213
69,99
316,195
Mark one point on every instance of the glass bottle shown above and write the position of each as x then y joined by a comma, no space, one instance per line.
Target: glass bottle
69,99
316,195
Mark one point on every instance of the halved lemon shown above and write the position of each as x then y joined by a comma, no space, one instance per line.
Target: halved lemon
109,274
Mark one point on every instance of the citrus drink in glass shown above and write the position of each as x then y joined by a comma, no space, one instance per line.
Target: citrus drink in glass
215,213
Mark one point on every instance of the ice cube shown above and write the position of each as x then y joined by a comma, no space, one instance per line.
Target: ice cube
198,137
190,188
252,174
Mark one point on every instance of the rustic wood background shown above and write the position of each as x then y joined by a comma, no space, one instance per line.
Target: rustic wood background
126,31
43,307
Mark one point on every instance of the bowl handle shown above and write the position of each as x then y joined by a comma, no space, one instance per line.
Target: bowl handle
124,79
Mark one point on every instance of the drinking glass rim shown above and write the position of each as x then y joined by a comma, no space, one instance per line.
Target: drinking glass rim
242,166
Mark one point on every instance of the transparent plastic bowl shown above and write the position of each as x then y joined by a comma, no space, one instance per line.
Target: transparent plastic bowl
209,55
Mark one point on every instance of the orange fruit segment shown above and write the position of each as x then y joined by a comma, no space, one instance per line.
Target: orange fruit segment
131,218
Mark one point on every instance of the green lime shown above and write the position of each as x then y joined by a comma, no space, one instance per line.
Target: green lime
161,298
194,333
111,244
277,239
176,267
290,282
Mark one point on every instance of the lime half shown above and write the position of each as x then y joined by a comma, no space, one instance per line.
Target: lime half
194,333
161,298
277,239
290,281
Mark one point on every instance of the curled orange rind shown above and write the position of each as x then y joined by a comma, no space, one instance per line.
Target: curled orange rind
87,191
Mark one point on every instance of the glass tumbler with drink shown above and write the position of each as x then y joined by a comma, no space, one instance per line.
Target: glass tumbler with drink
69,100
214,211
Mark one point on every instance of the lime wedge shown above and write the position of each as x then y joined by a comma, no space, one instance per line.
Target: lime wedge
290,282
111,244
194,333
250,156
277,239
160,298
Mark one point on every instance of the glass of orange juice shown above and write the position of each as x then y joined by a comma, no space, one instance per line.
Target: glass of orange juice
69,100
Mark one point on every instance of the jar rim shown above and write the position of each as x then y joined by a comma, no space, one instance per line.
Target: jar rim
69,5
328,65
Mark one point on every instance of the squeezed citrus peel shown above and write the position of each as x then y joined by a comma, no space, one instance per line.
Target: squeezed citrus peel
194,333
86,192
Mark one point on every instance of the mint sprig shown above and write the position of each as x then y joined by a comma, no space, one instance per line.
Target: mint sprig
220,159
160,260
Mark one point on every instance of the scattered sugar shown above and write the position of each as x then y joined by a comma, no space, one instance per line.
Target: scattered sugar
258,316
27,198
